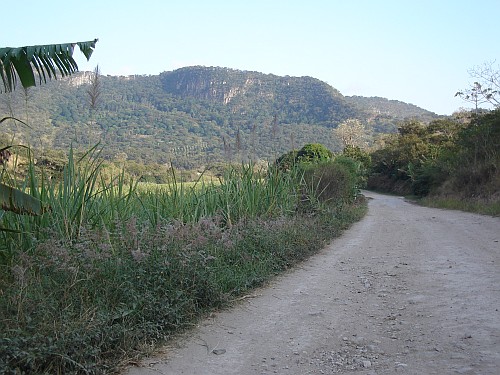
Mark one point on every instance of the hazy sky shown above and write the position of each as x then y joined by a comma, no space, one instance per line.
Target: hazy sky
416,51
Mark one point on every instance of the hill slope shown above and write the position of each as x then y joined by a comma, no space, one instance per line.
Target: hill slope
189,116
293,99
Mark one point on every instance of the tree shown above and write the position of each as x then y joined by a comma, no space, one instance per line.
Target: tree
418,159
486,87
26,64
352,133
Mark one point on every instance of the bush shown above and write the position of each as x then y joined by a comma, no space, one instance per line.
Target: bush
356,153
427,179
476,169
446,158
310,153
287,161
413,161
313,153
335,183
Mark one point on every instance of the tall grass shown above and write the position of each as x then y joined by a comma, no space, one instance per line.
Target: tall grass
79,199
112,268
242,192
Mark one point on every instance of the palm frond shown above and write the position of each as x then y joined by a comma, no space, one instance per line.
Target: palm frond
31,63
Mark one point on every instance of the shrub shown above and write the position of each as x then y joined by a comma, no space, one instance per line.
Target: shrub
335,183
356,153
414,161
287,161
310,153
313,153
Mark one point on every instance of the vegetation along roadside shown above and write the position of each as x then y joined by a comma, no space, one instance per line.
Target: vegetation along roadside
110,271
452,163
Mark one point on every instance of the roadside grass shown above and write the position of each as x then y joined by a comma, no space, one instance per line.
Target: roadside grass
478,206
112,270
481,206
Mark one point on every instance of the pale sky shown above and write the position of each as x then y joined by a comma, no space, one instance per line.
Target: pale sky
417,51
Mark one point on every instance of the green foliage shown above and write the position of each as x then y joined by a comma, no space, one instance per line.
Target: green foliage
378,107
444,158
325,178
361,156
295,99
110,268
12,199
427,178
485,207
331,183
81,308
113,268
309,153
21,63
410,162
287,161
313,153
475,168
356,170
16,201
51,164
42,61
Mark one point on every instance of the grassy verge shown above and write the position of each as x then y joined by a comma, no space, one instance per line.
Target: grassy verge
476,206
111,271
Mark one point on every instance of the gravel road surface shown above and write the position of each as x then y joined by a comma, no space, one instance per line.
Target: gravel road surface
407,290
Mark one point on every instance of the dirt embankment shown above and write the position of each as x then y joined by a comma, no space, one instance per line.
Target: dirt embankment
408,290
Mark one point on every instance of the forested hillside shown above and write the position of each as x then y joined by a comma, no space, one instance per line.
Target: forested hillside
190,116
381,112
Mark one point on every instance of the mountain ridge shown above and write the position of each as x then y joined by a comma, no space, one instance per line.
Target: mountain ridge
195,114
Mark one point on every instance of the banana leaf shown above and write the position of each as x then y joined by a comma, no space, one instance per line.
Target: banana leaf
42,61
14,200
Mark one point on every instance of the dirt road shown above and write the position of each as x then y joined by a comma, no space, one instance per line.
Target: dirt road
408,290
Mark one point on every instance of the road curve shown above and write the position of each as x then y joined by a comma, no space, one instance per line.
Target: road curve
408,289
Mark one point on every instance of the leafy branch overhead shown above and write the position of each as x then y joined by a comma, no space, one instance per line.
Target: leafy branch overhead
42,62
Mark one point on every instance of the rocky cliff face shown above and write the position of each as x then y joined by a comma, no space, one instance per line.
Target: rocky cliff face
305,97
213,84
